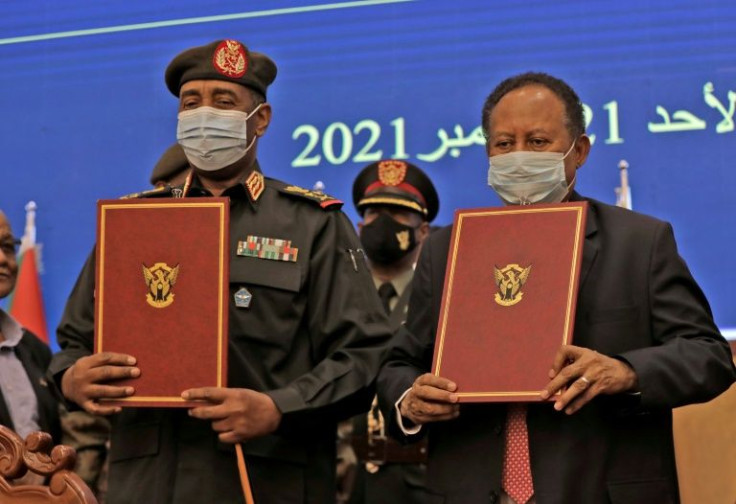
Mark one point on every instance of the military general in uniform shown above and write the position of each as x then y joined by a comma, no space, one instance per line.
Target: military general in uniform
307,333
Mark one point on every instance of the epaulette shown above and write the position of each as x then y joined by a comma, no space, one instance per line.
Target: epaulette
157,192
325,201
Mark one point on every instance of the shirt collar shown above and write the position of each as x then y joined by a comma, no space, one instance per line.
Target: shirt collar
251,187
399,282
11,330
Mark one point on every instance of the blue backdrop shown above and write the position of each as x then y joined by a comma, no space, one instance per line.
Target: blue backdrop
86,113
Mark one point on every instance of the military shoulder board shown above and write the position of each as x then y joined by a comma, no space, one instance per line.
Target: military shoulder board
325,201
155,192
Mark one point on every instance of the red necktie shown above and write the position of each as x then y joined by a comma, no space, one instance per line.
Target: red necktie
517,471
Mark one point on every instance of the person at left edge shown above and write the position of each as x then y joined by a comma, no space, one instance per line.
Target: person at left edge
26,402
307,333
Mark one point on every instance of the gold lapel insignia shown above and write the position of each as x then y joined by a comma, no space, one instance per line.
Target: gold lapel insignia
255,184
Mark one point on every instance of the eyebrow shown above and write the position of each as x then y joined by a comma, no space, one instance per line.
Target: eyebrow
228,92
189,92
535,131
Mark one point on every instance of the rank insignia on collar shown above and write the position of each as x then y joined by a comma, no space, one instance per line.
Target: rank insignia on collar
243,297
255,184
509,281
267,248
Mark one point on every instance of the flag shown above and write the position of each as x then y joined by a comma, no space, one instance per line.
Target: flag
623,193
26,302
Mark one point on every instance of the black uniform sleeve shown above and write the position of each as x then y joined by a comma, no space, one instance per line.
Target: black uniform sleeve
75,333
348,331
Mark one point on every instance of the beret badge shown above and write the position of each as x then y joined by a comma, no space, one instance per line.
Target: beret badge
391,172
229,59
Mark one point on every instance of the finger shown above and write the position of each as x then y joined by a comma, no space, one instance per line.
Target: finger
441,414
576,388
581,400
98,409
430,412
103,374
209,412
210,394
434,394
564,356
231,437
100,391
110,359
562,380
436,381
222,425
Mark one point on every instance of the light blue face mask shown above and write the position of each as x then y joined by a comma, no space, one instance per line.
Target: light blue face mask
213,138
527,177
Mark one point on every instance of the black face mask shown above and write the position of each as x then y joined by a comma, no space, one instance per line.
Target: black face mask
386,241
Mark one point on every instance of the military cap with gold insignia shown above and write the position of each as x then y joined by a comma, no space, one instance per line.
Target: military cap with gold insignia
226,60
397,183
171,163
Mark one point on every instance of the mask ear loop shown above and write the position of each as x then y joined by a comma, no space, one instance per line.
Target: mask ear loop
254,136
568,150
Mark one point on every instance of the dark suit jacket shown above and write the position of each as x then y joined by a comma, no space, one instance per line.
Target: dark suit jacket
35,357
637,301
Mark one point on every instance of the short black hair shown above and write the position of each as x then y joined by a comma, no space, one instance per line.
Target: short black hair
573,106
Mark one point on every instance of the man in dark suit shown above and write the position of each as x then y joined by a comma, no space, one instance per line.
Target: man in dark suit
26,402
644,341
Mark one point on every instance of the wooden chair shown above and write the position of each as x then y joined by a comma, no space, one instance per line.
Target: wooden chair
37,455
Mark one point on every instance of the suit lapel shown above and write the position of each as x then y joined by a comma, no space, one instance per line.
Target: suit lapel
5,414
38,382
590,250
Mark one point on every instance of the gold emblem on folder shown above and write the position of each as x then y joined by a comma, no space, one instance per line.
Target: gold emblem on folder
509,281
160,279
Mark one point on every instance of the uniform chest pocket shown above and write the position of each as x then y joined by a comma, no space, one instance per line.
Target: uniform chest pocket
281,275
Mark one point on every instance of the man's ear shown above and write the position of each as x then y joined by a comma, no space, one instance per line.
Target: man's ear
582,149
422,231
360,226
262,119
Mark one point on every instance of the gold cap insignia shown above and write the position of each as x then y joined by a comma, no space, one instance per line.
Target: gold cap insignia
391,172
229,59
509,281
160,279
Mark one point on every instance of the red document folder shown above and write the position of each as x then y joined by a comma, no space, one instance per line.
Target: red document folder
162,293
509,299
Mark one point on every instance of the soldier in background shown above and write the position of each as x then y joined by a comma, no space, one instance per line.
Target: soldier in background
397,201
171,169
